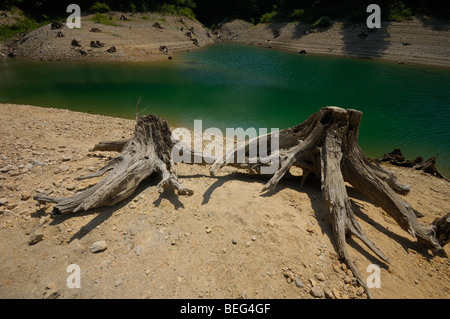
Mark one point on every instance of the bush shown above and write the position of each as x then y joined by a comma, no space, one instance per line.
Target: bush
176,10
100,8
297,15
399,12
322,22
268,17
20,26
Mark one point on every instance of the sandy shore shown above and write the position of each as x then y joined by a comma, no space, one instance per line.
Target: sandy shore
134,40
225,241
419,41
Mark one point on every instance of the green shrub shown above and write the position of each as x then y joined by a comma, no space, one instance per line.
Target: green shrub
268,17
323,21
177,10
99,8
297,15
399,12
7,31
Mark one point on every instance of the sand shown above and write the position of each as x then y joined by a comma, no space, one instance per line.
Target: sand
225,241
135,39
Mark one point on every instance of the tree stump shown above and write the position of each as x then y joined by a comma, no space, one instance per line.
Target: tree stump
147,152
326,144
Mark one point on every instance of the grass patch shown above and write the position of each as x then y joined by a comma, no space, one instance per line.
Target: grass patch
399,12
145,18
322,22
21,25
103,19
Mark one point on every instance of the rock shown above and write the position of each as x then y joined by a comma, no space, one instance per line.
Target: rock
336,293
35,236
98,246
299,283
359,291
51,294
70,187
234,241
328,293
65,158
111,49
254,238
248,244
316,292
208,230
3,201
320,276
63,168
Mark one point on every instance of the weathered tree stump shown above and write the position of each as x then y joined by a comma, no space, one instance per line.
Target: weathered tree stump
147,152
326,144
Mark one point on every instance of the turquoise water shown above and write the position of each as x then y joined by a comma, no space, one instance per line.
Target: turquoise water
229,85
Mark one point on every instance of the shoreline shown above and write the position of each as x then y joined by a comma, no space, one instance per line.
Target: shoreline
421,41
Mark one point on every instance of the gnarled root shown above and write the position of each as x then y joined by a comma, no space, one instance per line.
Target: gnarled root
147,152
326,145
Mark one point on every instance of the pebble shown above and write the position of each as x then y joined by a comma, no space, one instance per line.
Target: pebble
63,168
208,230
320,276
248,244
359,291
328,293
3,201
25,196
316,292
234,241
254,238
299,283
336,293
35,236
98,246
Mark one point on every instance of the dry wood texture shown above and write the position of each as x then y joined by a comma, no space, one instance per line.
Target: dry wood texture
326,144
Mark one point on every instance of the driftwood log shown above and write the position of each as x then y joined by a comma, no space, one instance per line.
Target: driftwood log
325,145
396,158
147,152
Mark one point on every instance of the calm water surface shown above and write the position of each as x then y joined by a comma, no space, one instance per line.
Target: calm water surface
229,85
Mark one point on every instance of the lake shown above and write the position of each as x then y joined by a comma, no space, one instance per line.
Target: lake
231,85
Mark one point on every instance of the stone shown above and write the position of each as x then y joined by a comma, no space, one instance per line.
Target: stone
63,168
254,238
328,293
336,293
299,283
35,236
25,196
316,292
359,291
320,276
3,201
234,241
99,246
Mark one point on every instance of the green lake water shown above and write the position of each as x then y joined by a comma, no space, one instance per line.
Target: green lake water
229,85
